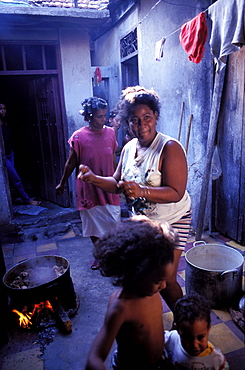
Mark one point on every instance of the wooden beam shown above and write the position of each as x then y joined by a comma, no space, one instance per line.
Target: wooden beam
213,122
181,118
188,133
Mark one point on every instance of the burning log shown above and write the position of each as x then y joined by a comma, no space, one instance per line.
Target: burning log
62,317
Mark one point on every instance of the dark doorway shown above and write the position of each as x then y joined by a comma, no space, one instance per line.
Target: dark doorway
35,118
130,75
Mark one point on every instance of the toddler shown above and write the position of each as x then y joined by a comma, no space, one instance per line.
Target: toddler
138,255
188,346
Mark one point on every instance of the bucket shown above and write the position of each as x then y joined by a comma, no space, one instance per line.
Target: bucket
215,272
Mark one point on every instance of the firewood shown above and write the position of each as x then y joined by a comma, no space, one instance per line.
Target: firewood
61,316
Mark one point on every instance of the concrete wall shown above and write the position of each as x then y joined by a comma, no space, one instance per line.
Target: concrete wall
76,73
175,78
107,50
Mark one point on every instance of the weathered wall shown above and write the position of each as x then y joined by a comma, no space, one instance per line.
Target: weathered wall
175,78
107,49
76,72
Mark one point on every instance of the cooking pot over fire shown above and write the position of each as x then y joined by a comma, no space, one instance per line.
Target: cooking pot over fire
215,272
38,279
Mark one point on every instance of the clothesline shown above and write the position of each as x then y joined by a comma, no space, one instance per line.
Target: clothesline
178,29
135,26
193,36
222,13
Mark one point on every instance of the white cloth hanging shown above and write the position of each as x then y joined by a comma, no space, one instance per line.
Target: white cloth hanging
159,49
228,29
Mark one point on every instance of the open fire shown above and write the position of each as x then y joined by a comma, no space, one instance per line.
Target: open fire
26,318
42,293
46,314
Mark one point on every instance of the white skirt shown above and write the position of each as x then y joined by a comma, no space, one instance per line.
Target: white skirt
99,219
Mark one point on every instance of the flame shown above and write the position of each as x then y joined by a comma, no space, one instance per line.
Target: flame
40,306
25,317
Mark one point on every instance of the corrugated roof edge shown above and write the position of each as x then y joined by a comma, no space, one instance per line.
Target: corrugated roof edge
13,3
56,12
60,4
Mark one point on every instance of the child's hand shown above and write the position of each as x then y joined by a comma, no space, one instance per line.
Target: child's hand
85,174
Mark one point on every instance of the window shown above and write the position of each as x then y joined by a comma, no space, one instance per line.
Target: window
28,57
129,44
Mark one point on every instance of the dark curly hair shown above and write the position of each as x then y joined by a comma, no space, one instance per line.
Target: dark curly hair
91,105
113,113
136,95
134,249
191,308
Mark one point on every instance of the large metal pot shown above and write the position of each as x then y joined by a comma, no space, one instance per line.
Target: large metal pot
45,287
215,272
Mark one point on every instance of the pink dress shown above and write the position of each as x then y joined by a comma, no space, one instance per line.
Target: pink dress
98,208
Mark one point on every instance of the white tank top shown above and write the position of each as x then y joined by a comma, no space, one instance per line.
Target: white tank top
144,170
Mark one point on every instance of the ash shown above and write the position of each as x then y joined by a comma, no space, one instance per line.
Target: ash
45,337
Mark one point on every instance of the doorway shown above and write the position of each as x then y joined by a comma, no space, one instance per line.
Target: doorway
130,74
35,117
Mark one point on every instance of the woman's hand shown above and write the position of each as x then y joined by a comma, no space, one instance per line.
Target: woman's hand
130,189
86,174
60,189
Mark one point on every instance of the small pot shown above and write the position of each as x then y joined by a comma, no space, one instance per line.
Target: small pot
215,272
45,288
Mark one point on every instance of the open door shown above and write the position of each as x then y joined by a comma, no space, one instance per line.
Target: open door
47,136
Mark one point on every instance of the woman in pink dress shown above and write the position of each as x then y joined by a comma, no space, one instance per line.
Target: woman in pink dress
94,145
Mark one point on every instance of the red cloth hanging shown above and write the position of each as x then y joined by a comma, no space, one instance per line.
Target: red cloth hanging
193,37
97,75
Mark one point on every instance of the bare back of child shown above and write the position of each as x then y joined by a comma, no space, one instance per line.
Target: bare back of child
139,256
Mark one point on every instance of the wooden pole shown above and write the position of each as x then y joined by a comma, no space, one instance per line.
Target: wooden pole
217,94
188,133
181,118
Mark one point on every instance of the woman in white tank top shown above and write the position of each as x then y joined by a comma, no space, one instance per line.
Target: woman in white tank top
152,173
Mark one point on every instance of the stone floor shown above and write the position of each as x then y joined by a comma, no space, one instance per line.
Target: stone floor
28,350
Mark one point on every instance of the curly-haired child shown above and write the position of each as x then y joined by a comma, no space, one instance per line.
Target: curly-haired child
188,346
138,255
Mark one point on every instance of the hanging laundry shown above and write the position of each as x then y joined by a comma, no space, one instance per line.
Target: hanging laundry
228,29
159,49
193,36
97,76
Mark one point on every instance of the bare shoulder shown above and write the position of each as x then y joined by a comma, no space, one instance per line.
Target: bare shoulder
173,145
173,148
116,309
116,302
